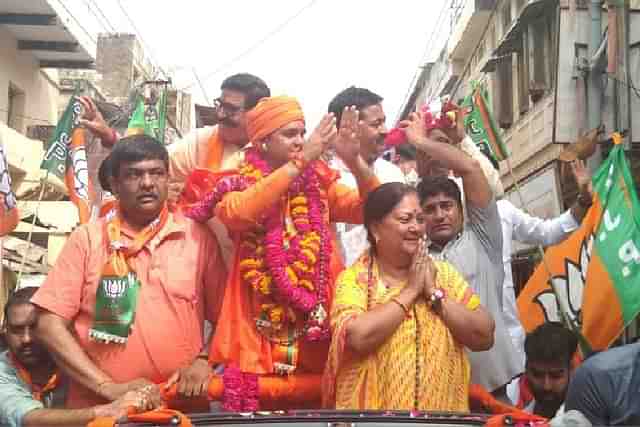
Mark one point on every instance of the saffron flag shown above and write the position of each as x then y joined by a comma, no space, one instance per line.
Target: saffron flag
481,126
9,217
149,116
596,271
66,158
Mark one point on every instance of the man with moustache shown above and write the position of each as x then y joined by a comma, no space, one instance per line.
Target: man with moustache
124,306
372,131
30,384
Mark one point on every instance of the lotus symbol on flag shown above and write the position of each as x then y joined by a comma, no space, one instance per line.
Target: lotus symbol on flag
81,172
570,287
115,287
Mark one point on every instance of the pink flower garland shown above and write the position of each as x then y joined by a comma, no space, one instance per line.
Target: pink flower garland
240,392
278,258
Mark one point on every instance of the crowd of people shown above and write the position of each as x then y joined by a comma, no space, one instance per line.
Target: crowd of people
297,270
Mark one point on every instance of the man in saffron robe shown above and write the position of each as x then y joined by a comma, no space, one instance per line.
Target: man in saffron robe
278,207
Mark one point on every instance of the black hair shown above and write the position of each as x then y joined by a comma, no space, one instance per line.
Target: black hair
253,88
406,151
380,202
19,297
360,97
551,342
431,186
104,173
135,148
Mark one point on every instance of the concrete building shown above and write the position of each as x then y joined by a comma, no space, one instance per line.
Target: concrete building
534,58
37,41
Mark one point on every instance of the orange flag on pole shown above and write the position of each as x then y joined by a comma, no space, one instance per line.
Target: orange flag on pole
595,272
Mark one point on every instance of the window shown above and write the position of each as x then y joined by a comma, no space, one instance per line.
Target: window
523,75
503,101
16,105
539,47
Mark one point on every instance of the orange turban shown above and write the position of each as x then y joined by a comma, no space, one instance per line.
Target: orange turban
271,114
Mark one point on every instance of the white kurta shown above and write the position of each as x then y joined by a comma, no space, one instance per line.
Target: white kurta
518,225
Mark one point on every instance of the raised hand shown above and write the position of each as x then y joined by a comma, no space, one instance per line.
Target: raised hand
415,129
347,144
457,134
321,138
92,119
582,176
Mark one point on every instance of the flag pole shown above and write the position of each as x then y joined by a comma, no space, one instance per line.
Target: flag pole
44,182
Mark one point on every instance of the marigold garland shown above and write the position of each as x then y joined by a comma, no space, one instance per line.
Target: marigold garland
291,268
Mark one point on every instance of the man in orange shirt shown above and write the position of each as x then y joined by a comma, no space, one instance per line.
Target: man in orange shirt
273,333
125,304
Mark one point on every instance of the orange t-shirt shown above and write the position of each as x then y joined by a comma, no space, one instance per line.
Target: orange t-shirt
182,278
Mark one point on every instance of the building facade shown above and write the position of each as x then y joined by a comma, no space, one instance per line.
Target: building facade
543,72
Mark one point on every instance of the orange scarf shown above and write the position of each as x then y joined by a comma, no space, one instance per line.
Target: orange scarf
215,150
119,259
117,293
36,391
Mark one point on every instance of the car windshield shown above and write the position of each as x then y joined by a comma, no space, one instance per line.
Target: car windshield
323,418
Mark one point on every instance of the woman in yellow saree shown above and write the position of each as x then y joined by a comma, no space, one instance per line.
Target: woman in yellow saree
401,321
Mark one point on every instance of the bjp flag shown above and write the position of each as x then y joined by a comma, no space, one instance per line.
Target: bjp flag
66,159
596,271
149,116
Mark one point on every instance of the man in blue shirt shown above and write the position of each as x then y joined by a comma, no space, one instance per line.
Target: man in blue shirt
605,388
29,381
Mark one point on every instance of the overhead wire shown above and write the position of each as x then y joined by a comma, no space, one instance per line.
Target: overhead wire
93,39
440,21
202,89
98,18
475,49
254,46
147,76
145,45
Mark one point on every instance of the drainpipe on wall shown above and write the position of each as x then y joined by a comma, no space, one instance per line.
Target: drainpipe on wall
594,94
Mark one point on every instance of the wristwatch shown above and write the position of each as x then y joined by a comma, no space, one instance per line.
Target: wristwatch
436,298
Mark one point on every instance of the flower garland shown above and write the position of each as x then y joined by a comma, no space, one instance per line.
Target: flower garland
291,267
241,393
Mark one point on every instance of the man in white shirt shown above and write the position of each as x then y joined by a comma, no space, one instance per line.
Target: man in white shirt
372,131
519,226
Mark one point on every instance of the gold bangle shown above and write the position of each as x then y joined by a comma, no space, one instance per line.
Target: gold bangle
402,306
